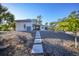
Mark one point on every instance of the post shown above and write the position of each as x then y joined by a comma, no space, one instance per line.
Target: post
76,43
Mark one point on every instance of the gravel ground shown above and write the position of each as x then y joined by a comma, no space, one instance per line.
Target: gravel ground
18,43
58,44
54,43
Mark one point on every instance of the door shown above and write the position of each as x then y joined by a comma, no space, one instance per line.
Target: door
37,27
28,28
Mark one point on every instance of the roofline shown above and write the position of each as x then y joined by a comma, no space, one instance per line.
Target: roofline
24,20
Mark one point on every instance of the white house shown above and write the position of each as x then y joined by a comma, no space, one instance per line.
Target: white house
30,24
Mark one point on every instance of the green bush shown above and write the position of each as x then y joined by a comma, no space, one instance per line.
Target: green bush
4,27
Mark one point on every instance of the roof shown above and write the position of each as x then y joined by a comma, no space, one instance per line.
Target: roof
24,20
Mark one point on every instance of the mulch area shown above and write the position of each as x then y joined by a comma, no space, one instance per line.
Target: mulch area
18,43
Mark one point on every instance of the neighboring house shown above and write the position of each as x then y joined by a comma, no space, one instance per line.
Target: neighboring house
29,25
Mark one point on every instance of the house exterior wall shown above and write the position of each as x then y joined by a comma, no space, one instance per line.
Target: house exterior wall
22,26
29,25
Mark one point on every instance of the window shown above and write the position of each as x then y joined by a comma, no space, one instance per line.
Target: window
24,26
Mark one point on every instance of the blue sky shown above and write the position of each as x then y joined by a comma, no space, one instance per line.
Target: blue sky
49,11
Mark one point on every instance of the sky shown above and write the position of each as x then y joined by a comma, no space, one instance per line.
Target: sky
50,12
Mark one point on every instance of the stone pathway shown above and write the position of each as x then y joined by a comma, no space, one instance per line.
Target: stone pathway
37,46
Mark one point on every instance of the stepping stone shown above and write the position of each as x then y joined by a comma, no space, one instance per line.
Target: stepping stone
37,48
37,34
38,41
37,37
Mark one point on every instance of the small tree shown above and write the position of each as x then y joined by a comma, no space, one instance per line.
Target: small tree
74,24
2,12
6,16
52,25
70,23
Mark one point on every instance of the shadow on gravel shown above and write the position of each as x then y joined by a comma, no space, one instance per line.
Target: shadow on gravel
57,35
57,50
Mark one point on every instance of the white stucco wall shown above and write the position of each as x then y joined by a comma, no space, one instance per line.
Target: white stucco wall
20,26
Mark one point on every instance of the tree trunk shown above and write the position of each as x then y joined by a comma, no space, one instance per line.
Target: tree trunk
76,43
0,21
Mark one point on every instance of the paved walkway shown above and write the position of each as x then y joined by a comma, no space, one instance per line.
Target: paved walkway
37,46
